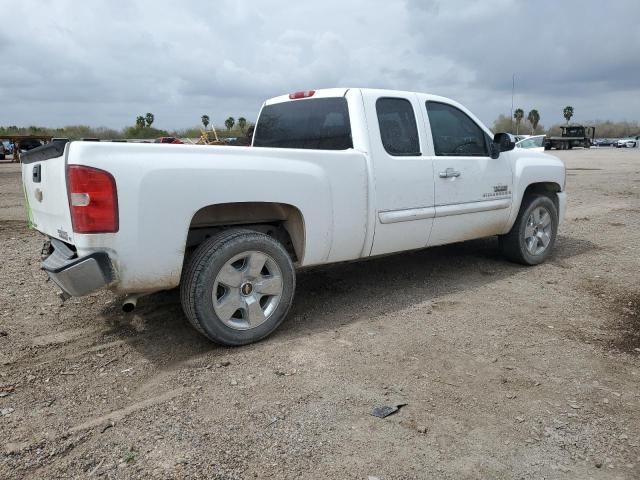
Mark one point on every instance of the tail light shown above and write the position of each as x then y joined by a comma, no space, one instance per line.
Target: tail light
304,94
93,200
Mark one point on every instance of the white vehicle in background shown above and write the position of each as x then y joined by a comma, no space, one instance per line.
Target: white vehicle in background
333,175
534,143
627,143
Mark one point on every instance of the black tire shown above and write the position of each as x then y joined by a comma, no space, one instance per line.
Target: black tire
200,274
513,244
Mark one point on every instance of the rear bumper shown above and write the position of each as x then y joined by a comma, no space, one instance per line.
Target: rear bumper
77,276
562,206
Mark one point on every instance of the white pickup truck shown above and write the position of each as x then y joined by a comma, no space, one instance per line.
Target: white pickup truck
332,175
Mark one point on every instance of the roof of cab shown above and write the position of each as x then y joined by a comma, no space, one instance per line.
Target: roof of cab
320,93
341,92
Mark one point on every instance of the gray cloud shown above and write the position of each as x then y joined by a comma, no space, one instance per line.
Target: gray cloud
103,63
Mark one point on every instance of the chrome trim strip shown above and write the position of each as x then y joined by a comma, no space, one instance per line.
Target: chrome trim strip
472,207
406,215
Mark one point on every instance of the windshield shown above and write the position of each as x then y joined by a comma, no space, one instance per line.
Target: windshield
320,123
533,142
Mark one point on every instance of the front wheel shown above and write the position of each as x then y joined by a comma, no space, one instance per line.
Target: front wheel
238,287
533,235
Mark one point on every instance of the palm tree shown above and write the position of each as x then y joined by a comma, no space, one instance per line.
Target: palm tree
568,113
518,115
534,118
229,123
205,121
149,118
242,123
140,121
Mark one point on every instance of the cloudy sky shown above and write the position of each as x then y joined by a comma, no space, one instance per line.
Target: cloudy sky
104,63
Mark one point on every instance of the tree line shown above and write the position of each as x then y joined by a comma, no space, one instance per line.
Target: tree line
229,123
142,128
500,125
604,128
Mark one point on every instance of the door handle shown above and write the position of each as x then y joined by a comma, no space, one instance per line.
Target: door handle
449,172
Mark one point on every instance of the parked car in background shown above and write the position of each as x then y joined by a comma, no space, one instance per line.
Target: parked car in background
605,142
535,143
627,143
173,140
2,151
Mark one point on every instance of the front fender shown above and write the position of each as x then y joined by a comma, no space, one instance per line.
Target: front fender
531,169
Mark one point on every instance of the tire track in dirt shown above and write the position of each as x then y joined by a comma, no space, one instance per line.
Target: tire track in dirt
121,413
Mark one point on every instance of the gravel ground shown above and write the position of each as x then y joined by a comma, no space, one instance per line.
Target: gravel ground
506,371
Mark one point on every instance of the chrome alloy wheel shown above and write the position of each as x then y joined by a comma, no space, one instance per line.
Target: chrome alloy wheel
538,231
247,290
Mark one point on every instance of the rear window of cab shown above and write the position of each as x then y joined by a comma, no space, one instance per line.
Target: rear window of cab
316,123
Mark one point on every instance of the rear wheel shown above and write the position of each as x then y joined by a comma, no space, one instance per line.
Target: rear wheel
238,287
533,235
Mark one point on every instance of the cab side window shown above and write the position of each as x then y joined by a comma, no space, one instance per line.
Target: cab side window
454,133
398,128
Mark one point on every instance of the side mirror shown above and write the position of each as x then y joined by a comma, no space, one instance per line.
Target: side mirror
495,150
503,143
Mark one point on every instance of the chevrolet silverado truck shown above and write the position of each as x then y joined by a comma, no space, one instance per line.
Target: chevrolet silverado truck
332,175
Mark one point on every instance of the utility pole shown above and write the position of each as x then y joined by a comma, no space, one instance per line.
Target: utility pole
513,88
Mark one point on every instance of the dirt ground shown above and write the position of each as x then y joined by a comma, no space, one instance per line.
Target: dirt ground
506,371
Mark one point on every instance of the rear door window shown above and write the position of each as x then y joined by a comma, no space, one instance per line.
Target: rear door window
316,123
454,133
398,129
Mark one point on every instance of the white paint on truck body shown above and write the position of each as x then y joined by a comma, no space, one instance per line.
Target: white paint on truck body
354,203
161,187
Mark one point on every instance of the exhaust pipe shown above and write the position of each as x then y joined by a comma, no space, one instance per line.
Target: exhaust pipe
130,303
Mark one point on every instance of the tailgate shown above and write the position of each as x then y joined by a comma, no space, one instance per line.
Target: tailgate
45,189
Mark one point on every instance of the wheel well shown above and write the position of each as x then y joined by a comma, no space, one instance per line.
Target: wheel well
281,221
544,188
